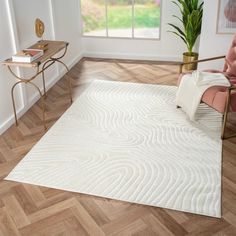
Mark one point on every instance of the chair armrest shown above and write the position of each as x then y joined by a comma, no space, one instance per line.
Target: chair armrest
232,87
197,61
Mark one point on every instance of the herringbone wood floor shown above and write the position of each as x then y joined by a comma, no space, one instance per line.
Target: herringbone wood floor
32,210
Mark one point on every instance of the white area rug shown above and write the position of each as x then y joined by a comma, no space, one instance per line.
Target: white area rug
128,141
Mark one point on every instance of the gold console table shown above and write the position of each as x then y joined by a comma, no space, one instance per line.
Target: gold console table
40,64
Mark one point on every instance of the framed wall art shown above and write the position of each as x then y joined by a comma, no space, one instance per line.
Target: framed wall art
226,19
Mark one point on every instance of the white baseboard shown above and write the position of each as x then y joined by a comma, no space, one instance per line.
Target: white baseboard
49,83
132,56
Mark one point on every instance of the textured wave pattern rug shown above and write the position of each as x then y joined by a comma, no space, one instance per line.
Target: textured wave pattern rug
128,141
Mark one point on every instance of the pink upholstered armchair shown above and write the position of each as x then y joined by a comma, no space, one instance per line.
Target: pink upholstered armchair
222,99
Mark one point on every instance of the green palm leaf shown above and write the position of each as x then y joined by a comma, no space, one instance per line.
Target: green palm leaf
191,20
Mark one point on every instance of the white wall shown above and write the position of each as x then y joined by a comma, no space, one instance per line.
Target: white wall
67,27
212,44
169,47
6,50
25,35
17,32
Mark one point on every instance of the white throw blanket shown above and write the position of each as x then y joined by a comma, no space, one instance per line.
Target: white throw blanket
193,86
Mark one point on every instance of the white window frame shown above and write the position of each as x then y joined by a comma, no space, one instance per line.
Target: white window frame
113,37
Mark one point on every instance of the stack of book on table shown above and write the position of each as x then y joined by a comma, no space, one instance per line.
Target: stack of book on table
27,55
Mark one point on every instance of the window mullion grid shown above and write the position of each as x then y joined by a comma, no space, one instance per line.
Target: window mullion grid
133,2
106,2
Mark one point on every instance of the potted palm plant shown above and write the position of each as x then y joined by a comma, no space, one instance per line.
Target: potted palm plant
191,21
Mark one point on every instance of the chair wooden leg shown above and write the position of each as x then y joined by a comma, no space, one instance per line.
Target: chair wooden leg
223,126
225,114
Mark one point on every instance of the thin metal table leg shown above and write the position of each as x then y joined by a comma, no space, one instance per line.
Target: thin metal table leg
42,104
44,87
227,105
45,65
68,80
13,100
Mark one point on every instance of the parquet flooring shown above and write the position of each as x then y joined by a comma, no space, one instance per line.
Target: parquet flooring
32,210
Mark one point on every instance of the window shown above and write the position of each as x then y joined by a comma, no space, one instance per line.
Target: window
121,18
